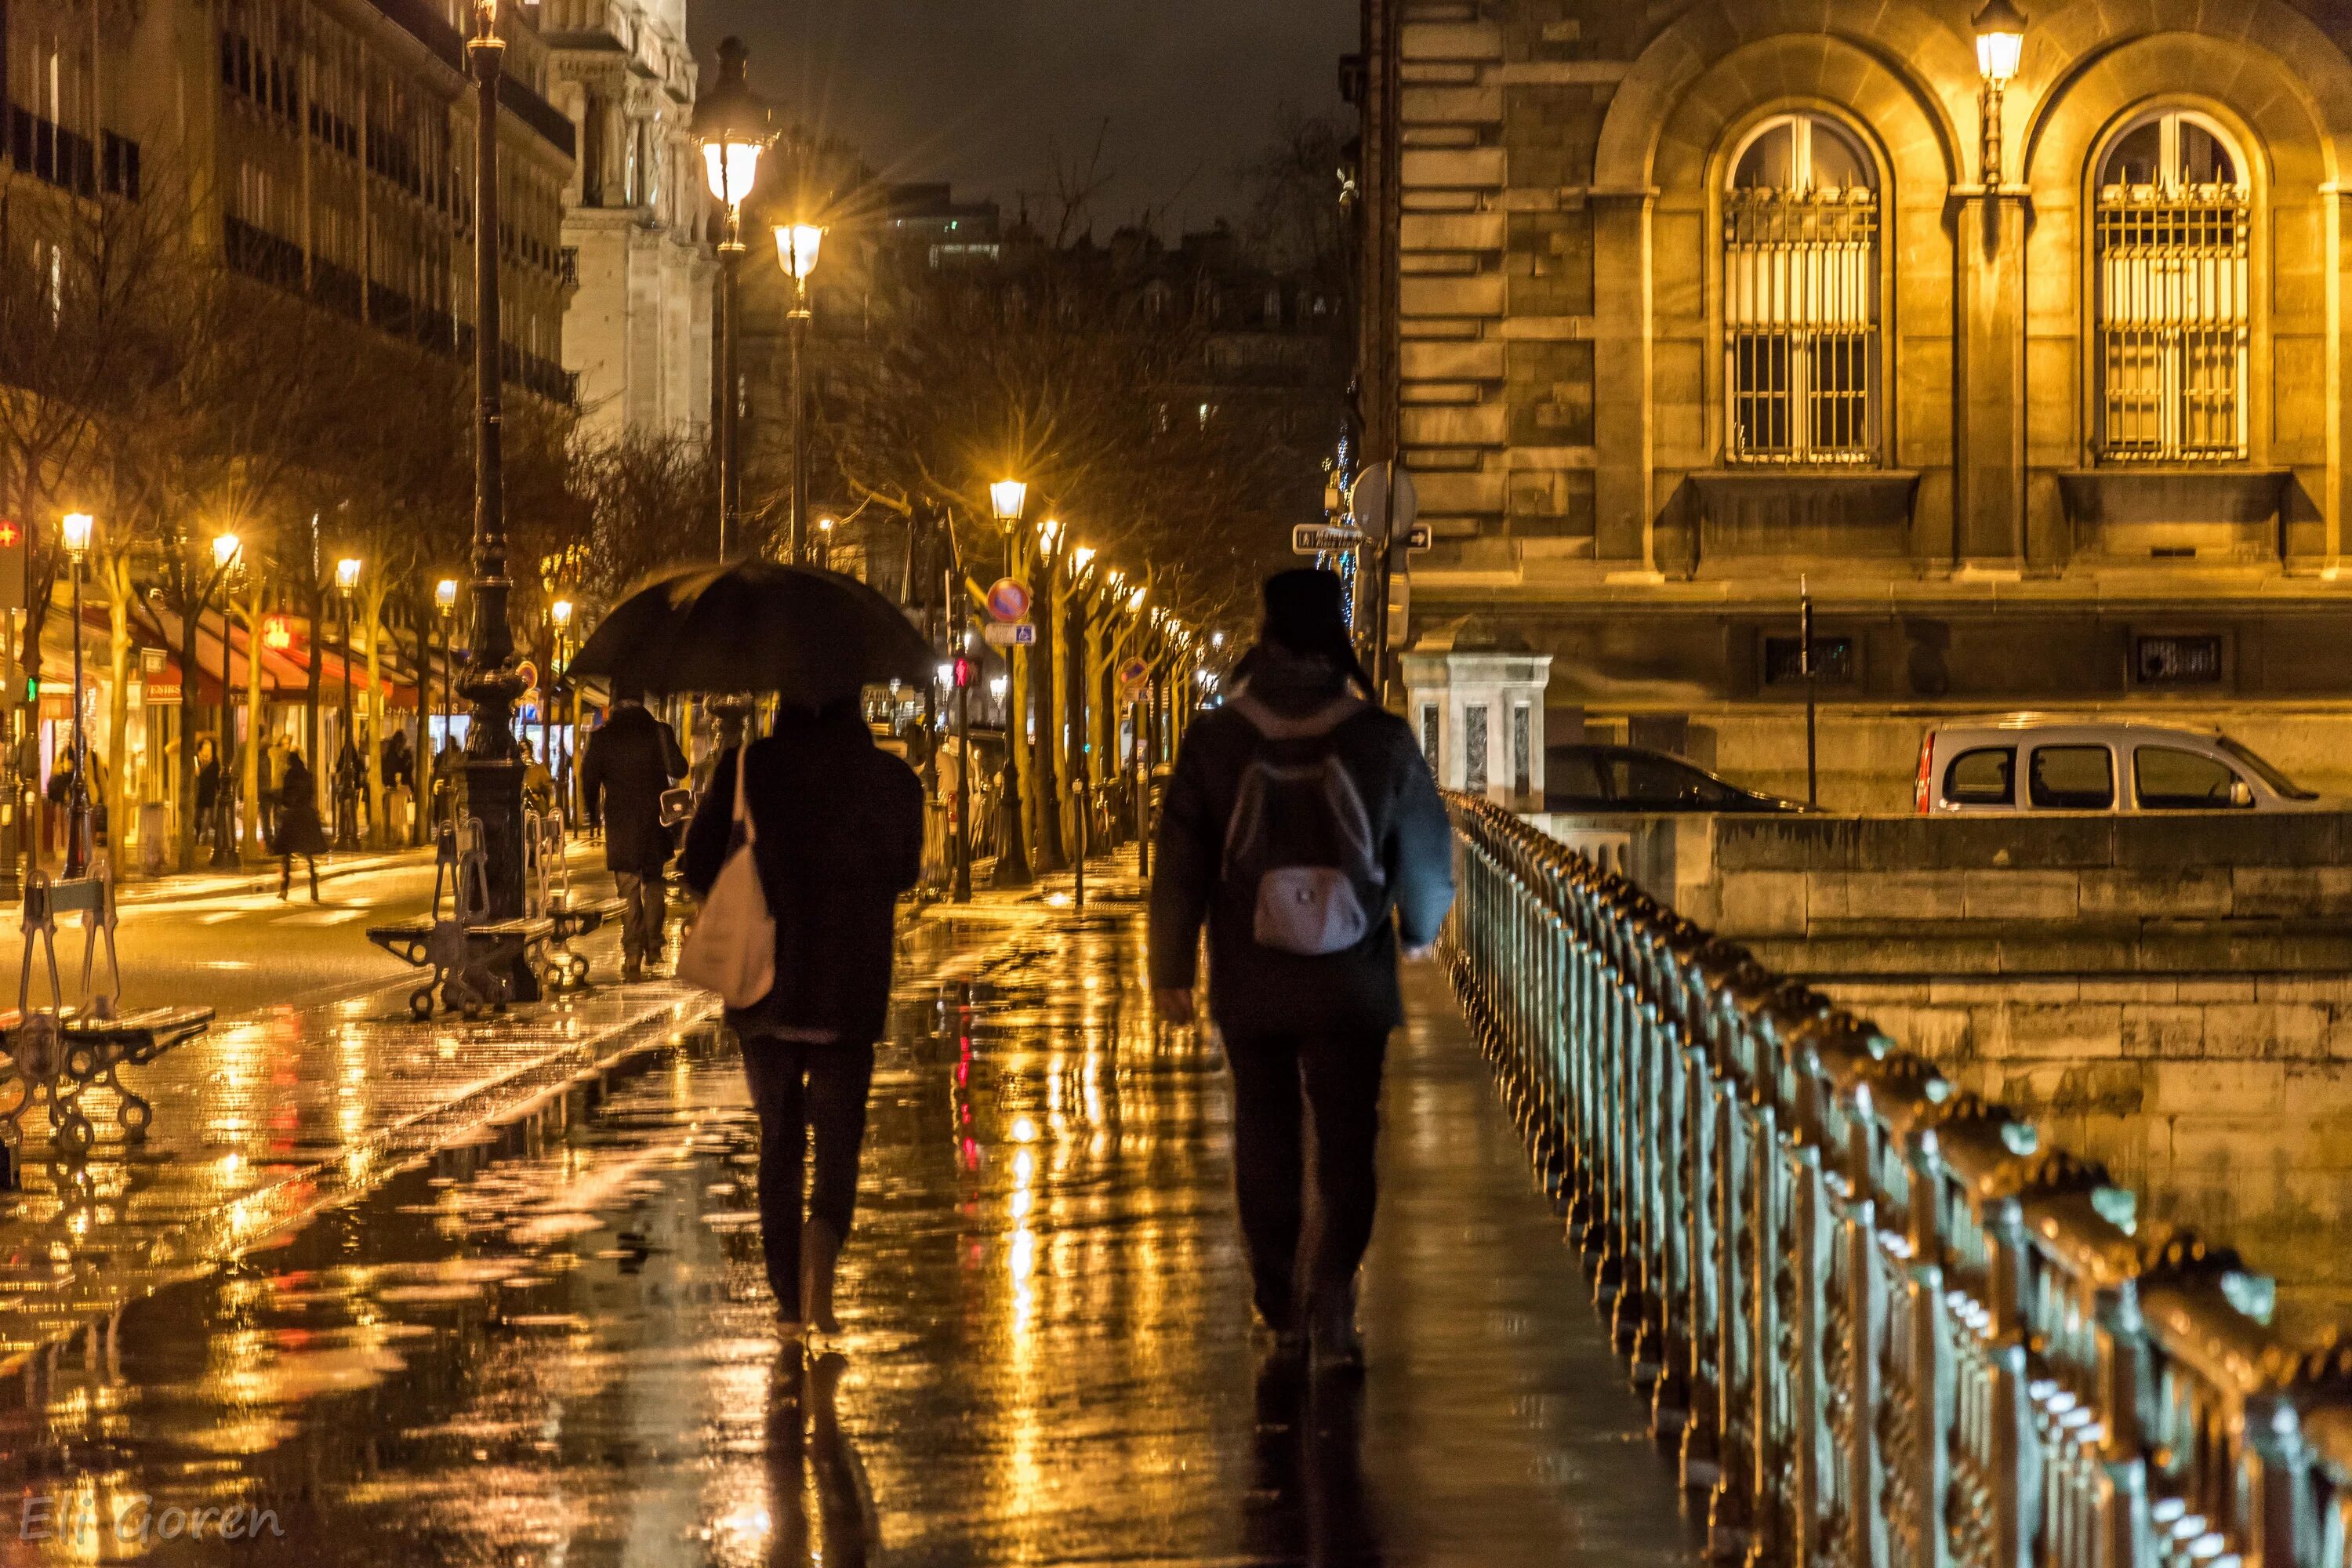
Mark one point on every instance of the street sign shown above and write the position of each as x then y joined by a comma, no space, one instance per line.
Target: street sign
1008,600
1316,539
1135,675
1374,510
1010,634
15,547
1417,536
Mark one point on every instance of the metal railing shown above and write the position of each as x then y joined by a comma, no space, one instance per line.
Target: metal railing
1880,1324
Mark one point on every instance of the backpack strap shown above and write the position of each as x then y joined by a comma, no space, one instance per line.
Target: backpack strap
1311,727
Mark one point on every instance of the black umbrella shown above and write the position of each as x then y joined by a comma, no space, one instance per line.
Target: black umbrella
805,633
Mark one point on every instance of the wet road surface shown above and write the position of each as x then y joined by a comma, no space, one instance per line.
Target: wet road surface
555,1348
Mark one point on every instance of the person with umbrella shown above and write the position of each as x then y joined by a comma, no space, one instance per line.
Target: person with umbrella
835,825
834,828
631,763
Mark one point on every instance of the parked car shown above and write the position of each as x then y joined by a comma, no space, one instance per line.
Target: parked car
1586,778
2029,762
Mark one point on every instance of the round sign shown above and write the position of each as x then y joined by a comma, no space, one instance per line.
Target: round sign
1378,510
1135,674
1008,601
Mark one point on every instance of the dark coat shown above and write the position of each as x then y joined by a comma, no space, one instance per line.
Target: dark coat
840,835
628,763
299,831
1255,990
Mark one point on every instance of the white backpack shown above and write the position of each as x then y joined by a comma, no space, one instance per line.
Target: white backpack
1300,835
732,948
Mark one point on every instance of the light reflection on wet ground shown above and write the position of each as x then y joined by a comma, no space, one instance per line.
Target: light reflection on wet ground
560,1353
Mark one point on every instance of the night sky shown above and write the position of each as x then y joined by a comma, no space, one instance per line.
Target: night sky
984,92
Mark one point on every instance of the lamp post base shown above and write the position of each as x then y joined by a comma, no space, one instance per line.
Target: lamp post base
490,790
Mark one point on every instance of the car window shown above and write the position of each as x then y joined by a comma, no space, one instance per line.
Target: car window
2170,779
1645,781
1987,776
2280,784
1572,775
2072,778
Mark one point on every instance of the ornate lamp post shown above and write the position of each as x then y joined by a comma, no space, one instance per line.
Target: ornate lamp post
559,615
2000,38
1009,498
347,792
445,604
78,526
491,776
1074,676
227,552
731,124
797,244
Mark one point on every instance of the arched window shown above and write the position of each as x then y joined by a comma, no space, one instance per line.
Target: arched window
2174,300
1801,297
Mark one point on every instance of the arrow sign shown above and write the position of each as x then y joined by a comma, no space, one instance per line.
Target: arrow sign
1008,600
1417,536
1316,539
1010,634
1373,507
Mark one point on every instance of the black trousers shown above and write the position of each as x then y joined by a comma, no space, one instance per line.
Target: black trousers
1278,1082
800,1088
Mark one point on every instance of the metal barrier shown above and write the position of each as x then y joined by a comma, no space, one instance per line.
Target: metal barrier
1880,1324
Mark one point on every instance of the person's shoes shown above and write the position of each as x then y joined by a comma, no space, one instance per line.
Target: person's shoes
632,972
1338,1345
820,1252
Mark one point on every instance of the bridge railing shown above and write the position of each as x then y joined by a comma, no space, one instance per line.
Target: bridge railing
1880,1322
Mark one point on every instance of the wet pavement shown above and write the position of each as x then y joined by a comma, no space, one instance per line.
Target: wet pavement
551,1344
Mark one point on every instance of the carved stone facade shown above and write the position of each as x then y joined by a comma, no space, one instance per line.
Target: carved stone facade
1678,307
635,218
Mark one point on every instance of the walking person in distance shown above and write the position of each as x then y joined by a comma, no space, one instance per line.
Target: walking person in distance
835,827
1302,826
630,763
299,831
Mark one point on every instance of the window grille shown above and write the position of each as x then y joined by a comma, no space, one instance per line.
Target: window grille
2175,300
1800,299
1474,750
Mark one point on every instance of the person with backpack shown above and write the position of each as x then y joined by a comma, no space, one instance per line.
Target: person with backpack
1303,827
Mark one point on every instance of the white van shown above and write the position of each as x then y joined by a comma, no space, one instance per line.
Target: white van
2030,762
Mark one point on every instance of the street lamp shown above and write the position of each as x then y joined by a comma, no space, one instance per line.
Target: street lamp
2000,39
824,541
797,244
347,801
226,550
1007,499
731,124
493,774
78,526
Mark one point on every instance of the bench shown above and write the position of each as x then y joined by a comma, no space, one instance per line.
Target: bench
473,963
55,1054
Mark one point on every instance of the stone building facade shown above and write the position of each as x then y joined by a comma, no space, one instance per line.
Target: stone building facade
636,216
1680,309
327,146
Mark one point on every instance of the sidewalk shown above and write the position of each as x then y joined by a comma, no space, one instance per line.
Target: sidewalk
566,1352
258,876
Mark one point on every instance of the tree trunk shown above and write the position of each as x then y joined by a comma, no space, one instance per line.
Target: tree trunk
1045,749
114,571
372,620
251,612
187,803
314,603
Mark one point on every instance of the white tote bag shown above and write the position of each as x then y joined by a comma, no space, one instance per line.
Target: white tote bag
732,948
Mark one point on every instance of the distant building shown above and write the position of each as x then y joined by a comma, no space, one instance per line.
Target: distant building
330,145
948,232
1675,307
635,215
